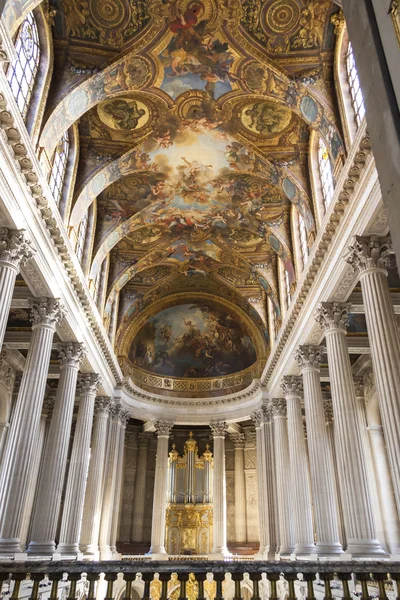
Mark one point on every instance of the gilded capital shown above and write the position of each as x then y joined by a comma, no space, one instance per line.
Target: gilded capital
292,385
333,315
279,407
72,354
310,357
338,21
370,252
46,311
328,410
88,383
15,247
163,428
219,429
102,405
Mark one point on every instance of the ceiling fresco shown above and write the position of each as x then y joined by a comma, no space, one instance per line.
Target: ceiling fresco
194,122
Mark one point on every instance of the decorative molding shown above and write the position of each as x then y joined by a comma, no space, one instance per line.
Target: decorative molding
394,11
72,354
310,357
333,315
46,311
15,247
292,385
370,252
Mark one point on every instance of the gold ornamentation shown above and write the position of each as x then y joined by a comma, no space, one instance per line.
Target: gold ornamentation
395,15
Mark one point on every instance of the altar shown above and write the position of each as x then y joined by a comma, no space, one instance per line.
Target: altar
189,509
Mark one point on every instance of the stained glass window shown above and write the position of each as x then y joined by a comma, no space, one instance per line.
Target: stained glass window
355,88
80,243
325,172
303,239
60,161
22,72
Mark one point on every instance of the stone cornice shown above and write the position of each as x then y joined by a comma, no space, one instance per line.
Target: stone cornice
15,136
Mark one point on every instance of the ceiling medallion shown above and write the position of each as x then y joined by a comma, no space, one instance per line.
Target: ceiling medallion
123,113
108,14
282,16
265,118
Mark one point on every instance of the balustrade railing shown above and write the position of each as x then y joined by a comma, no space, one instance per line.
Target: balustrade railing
199,580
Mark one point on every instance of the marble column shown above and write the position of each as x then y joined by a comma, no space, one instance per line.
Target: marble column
265,484
140,488
89,541
369,256
355,491
110,473
163,430
238,440
283,483
51,481
78,466
219,548
15,250
46,314
303,521
329,425
36,467
124,417
321,466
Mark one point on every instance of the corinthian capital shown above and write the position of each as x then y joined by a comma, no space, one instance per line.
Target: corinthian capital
123,416
292,385
46,311
88,383
258,417
238,439
279,407
163,428
309,357
15,247
328,410
219,429
359,386
72,354
102,405
333,315
371,252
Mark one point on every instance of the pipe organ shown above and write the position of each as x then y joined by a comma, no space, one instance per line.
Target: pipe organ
189,508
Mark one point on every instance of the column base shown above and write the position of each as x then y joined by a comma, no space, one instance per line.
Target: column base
65,548
324,549
304,549
41,548
220,554
91,550
265,554
360,548
157,550
10,546
286,551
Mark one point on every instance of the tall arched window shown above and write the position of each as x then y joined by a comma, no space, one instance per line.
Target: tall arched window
303,239
357,99
325,173
60,161
80,242
22,72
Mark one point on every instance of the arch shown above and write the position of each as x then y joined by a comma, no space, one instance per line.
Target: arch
15,12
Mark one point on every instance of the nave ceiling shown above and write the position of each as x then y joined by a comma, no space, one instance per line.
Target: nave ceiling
194,122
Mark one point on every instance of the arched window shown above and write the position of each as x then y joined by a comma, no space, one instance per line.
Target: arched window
287,289
357,99
303,239
60,161
22,72
325,173
80,242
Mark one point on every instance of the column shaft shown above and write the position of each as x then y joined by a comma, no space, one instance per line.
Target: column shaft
240,489
94,487
140,489
8,274
283,487
47,509
118,487
78,468
160,490
25,424
219,548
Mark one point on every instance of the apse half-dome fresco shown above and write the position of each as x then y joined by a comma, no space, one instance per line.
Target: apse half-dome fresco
193,340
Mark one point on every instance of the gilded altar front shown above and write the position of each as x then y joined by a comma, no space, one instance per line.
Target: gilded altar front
189,528
189,508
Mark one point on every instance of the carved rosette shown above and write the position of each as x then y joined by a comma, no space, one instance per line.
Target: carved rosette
371,252
328,410
309,357
292,385
333,315
279,407
89,383
15,247
359,386
46,311
102,405
219,429
72,354
163,428
238,440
